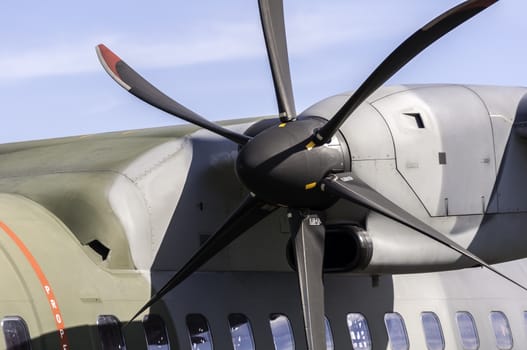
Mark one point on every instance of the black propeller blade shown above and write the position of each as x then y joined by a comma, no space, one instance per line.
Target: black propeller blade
130,80
410,48
349,187
308,233
283,165
248,214
272,18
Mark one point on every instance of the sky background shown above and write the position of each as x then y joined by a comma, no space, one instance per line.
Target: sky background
210,56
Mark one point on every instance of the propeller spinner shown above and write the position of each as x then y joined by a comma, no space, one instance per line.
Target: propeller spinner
298,163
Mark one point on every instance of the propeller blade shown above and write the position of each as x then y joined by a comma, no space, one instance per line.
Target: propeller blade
138,86
248,214
346,186
308,234
410,48
272,18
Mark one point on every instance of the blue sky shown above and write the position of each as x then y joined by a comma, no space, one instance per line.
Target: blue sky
210,56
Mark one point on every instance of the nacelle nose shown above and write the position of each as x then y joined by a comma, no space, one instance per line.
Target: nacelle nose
282,166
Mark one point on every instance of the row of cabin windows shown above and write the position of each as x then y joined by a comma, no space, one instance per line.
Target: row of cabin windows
16,333
201,337
241,332
398,337
111,337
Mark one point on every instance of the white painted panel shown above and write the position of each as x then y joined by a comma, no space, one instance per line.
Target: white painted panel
457,123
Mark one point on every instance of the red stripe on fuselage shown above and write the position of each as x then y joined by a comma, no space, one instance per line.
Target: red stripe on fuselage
53,304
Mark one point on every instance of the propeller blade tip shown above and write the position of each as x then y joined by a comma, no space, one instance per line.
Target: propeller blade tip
109,61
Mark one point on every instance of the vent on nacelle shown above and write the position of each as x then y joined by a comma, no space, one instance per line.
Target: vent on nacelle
99,248
417,119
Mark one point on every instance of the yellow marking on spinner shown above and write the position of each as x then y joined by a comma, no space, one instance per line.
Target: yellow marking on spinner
310,145
282,125
311,185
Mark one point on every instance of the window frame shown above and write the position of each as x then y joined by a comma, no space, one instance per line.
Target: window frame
464,341
149,336
273,317
525,321
440,336
397,316
207,331
330,343
115,325
249,335
510,338
362,318
21,325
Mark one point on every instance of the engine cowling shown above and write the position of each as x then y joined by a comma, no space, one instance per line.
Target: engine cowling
347,248
385,247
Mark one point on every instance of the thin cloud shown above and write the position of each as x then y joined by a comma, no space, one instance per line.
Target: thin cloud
310,28
43,62
222,42
219,42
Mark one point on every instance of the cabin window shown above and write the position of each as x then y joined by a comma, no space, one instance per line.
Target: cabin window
282,333
155,333
467,330
241,332
359,331
110,332
433,332
16,334
199,331
396,331
329,336
502,330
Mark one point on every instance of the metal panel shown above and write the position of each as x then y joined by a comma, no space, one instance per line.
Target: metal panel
463,184
366,132
502,104
510,190
368,135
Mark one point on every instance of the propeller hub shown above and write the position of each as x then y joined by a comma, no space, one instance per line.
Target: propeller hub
283,166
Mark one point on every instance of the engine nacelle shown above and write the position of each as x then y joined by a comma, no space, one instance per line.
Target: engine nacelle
386,247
